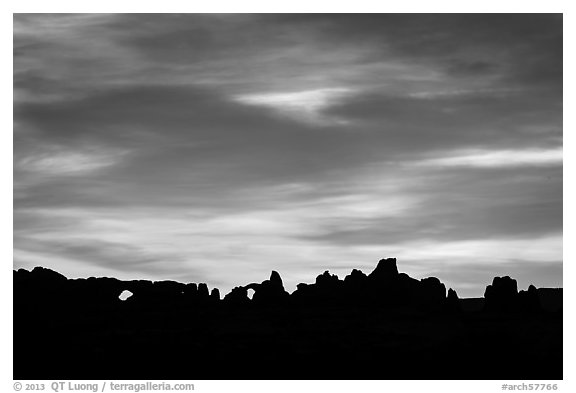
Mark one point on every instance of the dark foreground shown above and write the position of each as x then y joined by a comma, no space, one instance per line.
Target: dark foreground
384,325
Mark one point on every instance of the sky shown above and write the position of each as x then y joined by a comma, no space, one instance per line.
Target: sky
217,148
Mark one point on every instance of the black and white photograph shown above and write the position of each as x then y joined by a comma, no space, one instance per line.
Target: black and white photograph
288,196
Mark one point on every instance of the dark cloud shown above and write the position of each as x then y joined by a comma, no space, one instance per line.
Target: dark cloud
190,114
457,119
524,48
197,38
471,67
182,129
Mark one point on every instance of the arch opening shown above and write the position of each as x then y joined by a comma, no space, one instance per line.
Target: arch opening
125,295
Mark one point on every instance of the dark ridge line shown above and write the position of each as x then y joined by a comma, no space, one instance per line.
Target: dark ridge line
384,286
381,325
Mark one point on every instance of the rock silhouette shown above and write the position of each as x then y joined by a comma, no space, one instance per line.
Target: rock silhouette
452,304
270,292
502,295
237,297
381,325
529,301
385,270
215,295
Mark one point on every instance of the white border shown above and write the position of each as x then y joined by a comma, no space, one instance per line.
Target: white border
246,6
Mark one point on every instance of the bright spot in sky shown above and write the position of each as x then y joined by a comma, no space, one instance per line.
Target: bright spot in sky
304,105
497,158
58,161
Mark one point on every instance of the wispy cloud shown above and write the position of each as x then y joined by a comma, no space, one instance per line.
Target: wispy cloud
495,158
61,162
305,105
230,249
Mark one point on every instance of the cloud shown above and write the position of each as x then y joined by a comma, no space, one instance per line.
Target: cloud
60,162
231,145
496,158
61,56
304,105
301,229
